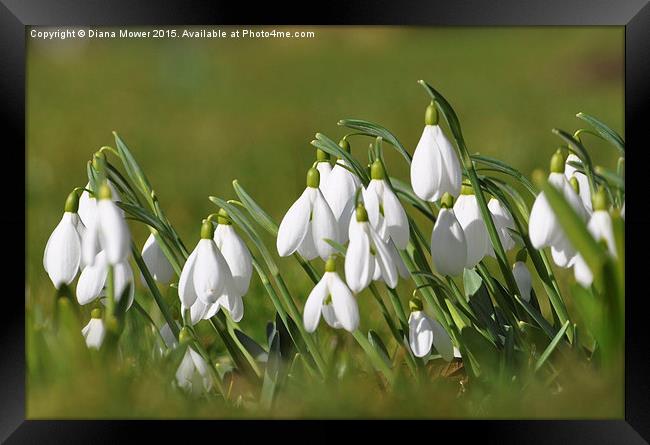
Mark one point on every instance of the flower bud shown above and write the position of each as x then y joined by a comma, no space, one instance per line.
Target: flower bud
345,145
322,156
557,162
415,305
313,178
447,201
207,230
431,114
330,265
72,202
362,214
96,313
223,218
377,170
600,200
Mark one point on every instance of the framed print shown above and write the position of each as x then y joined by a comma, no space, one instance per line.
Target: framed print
412,212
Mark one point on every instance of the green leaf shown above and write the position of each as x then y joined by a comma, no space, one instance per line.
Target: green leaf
254,349
133,169
376,130
472,282
379,345
502,167
405,191
537,316
551,347
255,210
485,353
447,111
607,133
340,248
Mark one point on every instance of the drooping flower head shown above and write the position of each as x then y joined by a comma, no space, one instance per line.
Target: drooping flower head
544,228
108,232
205,276
583,182
448,244
503,222
385,212
339,192
331,298
62,256
469,216
425,332
193,374
368,256
435,169
308,223
95,331
92,281
522,276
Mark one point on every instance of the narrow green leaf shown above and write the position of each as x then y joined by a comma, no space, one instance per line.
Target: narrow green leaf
255,210
607,133
551,347
376,130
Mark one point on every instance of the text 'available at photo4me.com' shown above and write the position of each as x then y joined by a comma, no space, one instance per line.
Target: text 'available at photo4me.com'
168,33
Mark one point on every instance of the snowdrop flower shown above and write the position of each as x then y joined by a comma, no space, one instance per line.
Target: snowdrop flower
368,256
600,227
307,223
385,212
543,227
193,374
159,266
88,204
92,280
339,192
571,172
425,331
94,332
205,276
448,244
476,236
168,336
62,256
523,279
108,232
435,169
240,263
503,222
333,299
323,166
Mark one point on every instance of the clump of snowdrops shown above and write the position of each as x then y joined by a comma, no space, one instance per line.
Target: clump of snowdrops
353,233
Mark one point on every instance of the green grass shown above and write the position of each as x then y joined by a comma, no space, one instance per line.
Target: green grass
197,114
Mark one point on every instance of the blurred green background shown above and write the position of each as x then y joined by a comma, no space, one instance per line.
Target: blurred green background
199,113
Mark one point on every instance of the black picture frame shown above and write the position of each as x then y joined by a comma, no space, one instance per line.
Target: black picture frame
15,15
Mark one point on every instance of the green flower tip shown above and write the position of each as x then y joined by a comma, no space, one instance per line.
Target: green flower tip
466,189
322,156
104,192
522,255
207,230
345,145
415,305
377,170
99,159
362,214
313,178
431,114
574,184
185,336
447,201
600,201
72,202
330,265
223,218
557,161
96,313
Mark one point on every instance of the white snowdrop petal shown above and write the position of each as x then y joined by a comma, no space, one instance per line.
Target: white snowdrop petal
451,175
384,259
94,333
324,169
307,248
186,291
87,208
293,227
523,279
442,341
563,253
314,304
341,187
92,280
469,216
123,277
371,202
344,219
63,252
210,274
343,302
185,371
330,316
448,245
234,305
420,334
168,336
582,273
397,223
90,245
237,256
600,226
113,231
543,228
426,166
159,266
323,226
212,309
359,264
